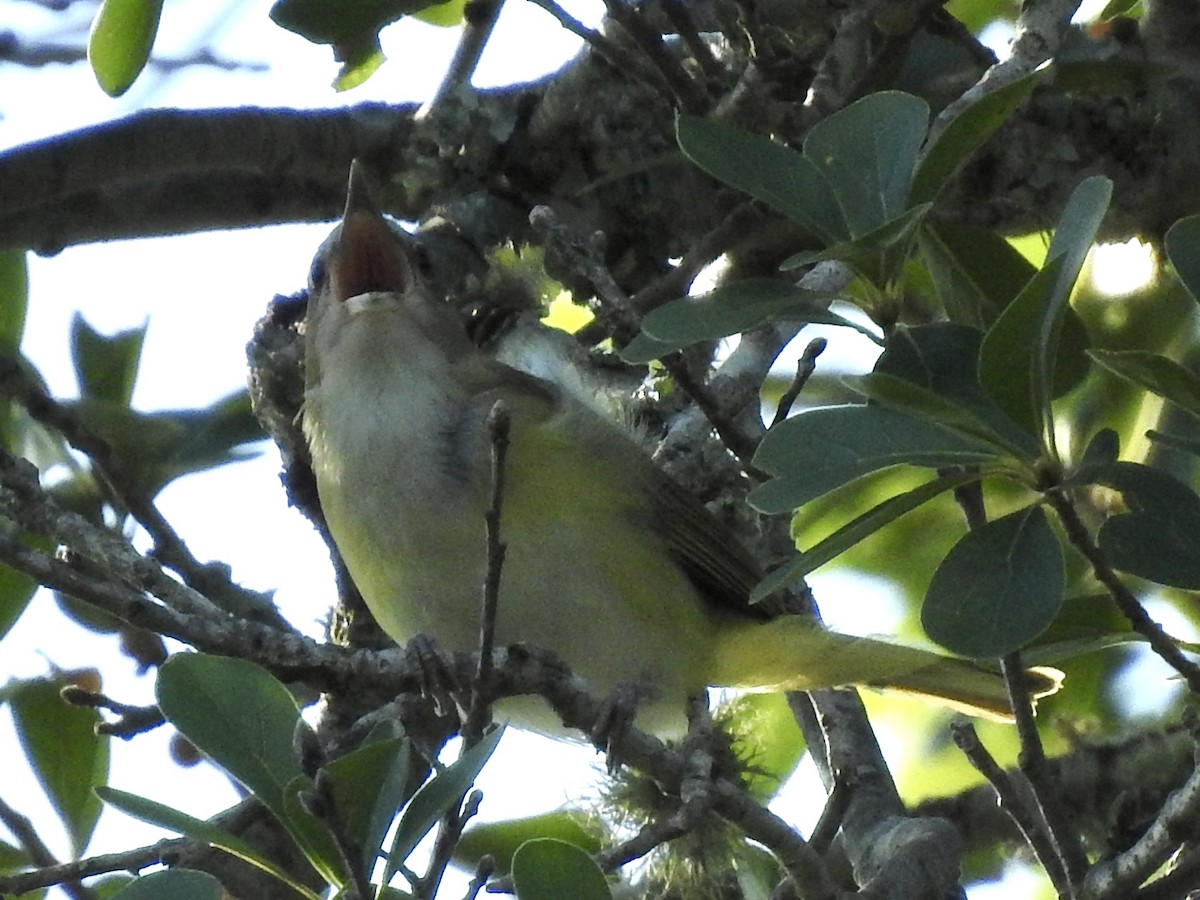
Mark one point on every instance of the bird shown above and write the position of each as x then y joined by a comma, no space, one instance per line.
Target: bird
610,564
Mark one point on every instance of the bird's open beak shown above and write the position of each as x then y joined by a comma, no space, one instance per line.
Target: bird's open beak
367,255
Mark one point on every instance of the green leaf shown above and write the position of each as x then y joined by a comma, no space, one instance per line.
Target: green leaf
819,450
16,590
122,37
106,367
867,152
1174,441
1163,376
501,840
438,794
177,884
966,133
368,790
1183,247
941,359
1116,8
737,307
861,528
998,588
879,256
643,349
1019,355
359,62
1008,357
904,396
767,171
161,446
444,15
239,715
975,272
1100,453
14,299
63,749
546,869
156,813
1159,538
342,21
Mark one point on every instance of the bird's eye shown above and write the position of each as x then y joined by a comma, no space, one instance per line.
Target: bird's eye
316,273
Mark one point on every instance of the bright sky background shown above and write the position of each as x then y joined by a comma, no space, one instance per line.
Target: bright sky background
201,295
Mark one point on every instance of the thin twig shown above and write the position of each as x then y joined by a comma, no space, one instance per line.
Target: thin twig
1010,799
805,366
687,93
133,719
110,473
1176,819
588,260
479,712
674,283
681,18
1044,796
479,20
23,830
1140,620
65,873
449,834
1039,31
616,55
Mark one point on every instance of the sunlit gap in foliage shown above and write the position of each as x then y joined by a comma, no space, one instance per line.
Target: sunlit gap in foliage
1120,269
1145,686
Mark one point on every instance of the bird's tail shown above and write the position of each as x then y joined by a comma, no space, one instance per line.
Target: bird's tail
792,653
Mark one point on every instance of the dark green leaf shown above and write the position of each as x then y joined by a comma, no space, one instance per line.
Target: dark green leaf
106,366
1008,358
16,590
1183,247
1020,353
546,869
867,153
239,715
177,884
878,256
312,835
1100,453
1174,441
172,819
14,299
966,133
342,21
737,307
838,444
904,396
121,40
501,840
13,858
368,790
998,588
1163,376
438,794
962,258
643,349
67,756
1159,538
864,526
767,171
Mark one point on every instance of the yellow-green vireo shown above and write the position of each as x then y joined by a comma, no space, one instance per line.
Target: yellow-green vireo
609,563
